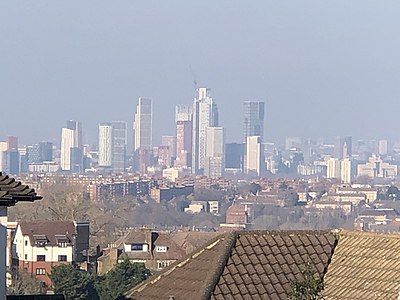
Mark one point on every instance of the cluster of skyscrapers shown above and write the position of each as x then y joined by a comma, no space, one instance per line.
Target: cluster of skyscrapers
199,146
15,159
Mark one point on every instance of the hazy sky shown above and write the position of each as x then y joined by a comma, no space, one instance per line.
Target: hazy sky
324,68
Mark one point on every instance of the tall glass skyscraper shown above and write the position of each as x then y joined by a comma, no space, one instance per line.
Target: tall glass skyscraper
215,152
253,119
142,126
184,132
253,134
205,114
112,145
119,142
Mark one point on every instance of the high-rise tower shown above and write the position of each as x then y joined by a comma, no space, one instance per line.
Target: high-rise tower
184,132
343,147
119,142
112,145
105,144
215,152
253,119
205,114
77,128
253,134
254,157
142,126
71,140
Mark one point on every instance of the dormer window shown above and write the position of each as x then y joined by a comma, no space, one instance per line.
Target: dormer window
62,240
161,248
40,240
136,247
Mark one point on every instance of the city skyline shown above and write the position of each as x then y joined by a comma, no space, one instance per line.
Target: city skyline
297,58
170,141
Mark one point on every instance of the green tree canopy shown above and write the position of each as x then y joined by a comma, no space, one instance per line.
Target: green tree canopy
24,283
73,283
78,284
309,288
121,279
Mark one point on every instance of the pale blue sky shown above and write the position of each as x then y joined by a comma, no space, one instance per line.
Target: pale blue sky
324,68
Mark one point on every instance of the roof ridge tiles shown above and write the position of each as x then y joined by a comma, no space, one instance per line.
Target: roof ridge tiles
281,233
346,233
179,264
221,263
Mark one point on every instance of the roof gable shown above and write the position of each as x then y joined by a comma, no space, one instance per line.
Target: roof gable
50,231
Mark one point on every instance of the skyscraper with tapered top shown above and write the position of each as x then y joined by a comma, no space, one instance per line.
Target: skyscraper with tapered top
205,114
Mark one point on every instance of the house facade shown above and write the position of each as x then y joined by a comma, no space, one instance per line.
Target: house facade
38,246
156,250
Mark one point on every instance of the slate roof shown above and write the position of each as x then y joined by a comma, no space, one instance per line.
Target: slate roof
50,231
242,265
12,191
364,266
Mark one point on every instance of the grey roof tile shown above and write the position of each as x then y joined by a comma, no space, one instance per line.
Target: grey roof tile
12,191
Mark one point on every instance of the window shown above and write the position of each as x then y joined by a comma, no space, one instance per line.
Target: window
40,271
161,248
137,247
62,244
40,257
62,240
62,258
26,243
162,264
26,256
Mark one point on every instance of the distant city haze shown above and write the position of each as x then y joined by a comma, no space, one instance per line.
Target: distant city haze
322,68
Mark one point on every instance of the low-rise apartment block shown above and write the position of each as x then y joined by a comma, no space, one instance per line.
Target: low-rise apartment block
38,246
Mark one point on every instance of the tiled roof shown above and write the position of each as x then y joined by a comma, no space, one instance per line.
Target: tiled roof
245,265
174,251
263,264
364,266
51,231
193,277
192,240
12,191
